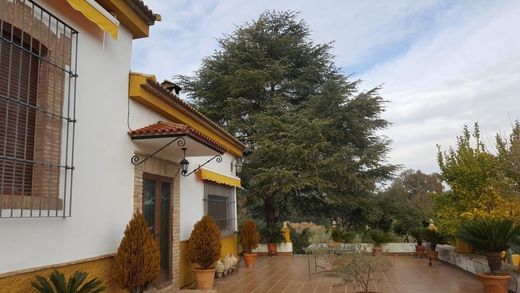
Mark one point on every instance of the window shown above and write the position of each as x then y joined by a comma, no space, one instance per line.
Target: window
220,205
37,111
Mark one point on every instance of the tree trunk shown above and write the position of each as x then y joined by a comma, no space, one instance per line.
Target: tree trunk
270,211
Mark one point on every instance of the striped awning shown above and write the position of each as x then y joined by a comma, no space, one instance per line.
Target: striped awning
98,15
213,176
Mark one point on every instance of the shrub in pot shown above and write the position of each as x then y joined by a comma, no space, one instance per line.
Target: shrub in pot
417,234
272,235
204,250
378,237
249,238
491,237
434,238
138,259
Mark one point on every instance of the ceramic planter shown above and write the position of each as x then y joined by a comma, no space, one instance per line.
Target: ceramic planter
204,278
433,257
461,246
272,248
419,251
250,259
377,250
495,284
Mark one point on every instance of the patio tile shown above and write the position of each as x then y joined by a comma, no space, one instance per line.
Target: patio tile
286,274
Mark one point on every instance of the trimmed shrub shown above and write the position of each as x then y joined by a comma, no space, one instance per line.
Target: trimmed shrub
138,259
249,236
204,244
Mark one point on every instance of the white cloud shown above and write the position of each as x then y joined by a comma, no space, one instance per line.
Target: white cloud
456,76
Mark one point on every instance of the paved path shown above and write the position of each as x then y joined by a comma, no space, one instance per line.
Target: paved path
289,274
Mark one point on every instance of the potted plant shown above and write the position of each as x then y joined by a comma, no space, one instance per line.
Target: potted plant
204,250
417,234
378,237
249,238
272,236
491,237
434,238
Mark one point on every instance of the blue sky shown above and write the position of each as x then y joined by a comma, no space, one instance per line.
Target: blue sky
443,64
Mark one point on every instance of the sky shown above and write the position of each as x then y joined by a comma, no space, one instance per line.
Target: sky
442,64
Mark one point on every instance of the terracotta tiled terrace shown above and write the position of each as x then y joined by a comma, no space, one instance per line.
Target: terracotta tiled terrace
289,274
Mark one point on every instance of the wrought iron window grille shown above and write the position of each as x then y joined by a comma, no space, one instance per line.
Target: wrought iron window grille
38,74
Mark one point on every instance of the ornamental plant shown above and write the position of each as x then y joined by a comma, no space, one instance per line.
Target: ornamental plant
249,236
490,237
138,259
434,237
204,244
75,283
379,237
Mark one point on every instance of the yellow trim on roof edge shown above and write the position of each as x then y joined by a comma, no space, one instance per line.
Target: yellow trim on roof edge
156,104
206,174
128,17
94,14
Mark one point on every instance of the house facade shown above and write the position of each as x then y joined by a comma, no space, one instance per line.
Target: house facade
84,145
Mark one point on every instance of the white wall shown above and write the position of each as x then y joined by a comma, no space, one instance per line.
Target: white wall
192,192
103,179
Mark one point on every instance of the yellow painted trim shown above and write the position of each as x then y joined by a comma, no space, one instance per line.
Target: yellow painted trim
128,17
21,282
206,174
155,103
94,14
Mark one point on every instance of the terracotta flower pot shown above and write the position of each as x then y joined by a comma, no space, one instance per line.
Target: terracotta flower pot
272,248
419,251
377,250
495,284
204,278
433,256
250,259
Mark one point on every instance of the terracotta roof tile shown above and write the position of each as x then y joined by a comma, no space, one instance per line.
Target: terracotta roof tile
170,128
143,10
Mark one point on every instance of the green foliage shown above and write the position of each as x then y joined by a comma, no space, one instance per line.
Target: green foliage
418,235
483,185
300,241
343,235
491,237
360,269
434,237
313,135
272,234
379,236
138,259
249,236
204,244
75,283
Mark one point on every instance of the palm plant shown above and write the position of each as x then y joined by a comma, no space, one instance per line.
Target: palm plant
379,237
490,237
75,284
434,237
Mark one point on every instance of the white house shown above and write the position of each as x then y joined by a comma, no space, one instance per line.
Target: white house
84,144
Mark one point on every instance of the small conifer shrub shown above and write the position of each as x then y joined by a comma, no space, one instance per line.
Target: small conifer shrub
204,244
249,236
137,262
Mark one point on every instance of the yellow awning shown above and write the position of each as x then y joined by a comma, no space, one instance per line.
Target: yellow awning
97,14
206,174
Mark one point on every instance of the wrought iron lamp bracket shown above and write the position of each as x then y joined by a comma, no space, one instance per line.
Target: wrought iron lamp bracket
217,158
136,159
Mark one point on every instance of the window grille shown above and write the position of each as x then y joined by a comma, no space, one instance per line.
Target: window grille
219,203
38,72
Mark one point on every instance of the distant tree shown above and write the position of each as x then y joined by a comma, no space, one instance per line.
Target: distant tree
413,191
313,136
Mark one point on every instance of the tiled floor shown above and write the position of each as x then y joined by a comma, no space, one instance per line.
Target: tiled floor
289,274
